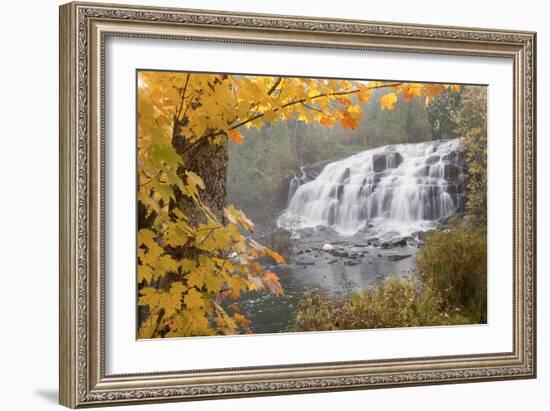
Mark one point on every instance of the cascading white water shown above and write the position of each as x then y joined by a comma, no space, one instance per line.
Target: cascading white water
296,181
399,188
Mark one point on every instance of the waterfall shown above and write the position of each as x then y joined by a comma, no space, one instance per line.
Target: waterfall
295,182
399,188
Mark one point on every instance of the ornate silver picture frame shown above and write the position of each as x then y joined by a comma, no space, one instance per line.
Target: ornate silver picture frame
84,30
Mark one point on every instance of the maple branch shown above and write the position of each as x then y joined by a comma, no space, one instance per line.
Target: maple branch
159,319
183,97
151,178
274,86
303,100
317,110
386,85
289,104
280,91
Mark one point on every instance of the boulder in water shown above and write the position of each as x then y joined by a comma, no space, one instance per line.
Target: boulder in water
340,191
346,175
451,156
327,247
307,232
305,262
450,171
398,257
398,242
383,161
340,253
379,162
423,171
351,262
432,160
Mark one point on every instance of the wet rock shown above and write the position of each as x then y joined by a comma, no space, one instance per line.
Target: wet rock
351,262
419,235
346,174
451,189
452,156
340,253
307,232
379,162
398,242
305,262
450,171
327,247
422,172
331,217
432,160
383,161
374,242
455,188
325,229
398,257
414,242
340,192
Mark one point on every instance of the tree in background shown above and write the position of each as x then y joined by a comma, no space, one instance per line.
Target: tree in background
407,123
443,115
472,128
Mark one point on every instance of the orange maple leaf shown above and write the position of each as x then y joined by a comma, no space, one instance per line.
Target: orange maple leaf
236,136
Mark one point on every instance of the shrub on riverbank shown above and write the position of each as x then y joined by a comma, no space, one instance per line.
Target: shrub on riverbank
395,302
449,287
453,261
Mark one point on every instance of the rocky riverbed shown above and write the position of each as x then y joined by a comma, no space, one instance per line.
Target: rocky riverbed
321,260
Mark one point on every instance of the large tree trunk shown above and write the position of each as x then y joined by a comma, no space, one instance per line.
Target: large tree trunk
209,161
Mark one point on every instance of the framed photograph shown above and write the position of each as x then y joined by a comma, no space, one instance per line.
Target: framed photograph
257,204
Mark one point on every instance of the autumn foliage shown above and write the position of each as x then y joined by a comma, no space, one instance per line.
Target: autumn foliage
193,266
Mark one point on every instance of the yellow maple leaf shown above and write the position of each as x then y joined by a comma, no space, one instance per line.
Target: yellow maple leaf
145,273
431,91
327,121
236,216
279,259
193,181
242,320
270,115
196,278
388,101
410,90
193,299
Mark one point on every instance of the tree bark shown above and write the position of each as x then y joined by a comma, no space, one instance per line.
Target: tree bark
209,161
